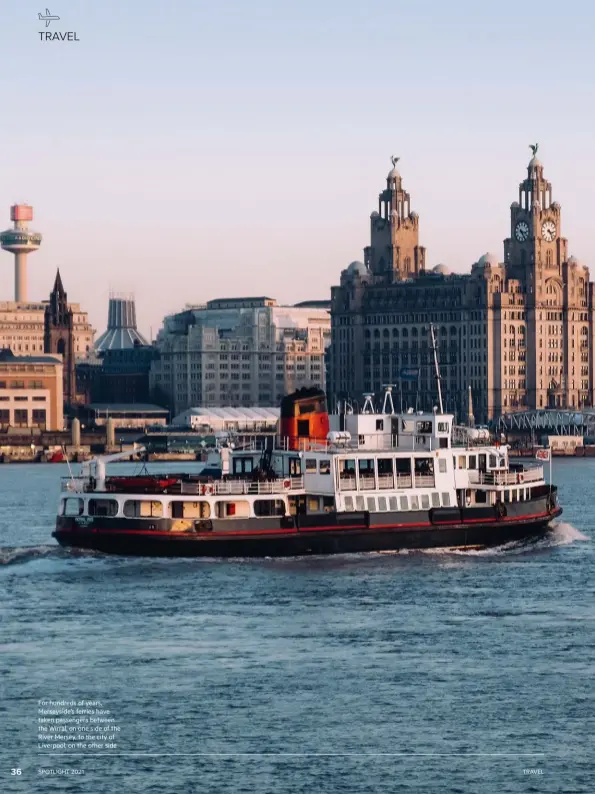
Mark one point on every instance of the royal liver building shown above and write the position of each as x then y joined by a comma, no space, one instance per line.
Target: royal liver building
515,333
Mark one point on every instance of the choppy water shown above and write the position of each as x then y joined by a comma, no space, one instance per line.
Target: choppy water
420,672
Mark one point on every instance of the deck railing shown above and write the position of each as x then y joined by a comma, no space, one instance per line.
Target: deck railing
216,488
385,482
506,477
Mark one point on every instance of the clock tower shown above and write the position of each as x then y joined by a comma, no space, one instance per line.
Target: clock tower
535,250
394,253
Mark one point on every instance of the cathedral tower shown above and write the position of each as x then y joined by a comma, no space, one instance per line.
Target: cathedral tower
394,253
59,335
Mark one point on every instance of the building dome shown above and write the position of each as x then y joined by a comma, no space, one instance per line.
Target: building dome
488,260
413,214
515,205
393,174
357,268
555,205
374,214
441,269
573,261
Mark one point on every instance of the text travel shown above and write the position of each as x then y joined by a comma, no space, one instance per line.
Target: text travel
48,36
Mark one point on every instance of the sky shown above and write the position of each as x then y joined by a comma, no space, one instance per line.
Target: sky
187,150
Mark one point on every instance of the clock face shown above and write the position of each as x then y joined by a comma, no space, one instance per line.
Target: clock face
521,231
548,230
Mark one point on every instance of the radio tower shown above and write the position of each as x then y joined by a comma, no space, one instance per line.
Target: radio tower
20,241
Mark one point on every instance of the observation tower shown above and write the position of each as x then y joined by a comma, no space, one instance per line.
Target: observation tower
20,241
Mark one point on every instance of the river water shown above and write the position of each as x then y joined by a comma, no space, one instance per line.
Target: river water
421,672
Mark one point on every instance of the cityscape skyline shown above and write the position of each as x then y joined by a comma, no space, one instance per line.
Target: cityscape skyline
275,171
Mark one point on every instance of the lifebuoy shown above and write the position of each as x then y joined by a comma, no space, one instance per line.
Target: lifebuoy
207,490
287,484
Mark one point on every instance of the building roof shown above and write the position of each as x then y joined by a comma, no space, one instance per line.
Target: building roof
121,331
116,408
8,357
230,414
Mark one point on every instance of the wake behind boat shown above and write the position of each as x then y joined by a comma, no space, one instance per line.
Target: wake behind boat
352,482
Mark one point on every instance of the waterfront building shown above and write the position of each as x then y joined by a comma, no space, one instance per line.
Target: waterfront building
239,352
516,331
30,391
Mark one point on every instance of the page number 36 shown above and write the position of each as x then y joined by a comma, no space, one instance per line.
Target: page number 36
16,772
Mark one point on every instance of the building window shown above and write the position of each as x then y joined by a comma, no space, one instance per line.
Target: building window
39,417
21,417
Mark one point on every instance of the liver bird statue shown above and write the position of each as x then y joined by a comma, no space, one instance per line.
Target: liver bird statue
394,160
534,147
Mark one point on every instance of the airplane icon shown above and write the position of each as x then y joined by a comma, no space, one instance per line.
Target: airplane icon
48,17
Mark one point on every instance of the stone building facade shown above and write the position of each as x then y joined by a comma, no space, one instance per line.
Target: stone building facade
517,332
239,352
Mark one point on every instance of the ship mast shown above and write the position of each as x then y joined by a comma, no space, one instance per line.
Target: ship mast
436,368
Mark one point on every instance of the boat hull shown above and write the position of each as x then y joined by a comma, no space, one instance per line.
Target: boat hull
281,537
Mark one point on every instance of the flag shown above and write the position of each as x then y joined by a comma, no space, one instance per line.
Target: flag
543,454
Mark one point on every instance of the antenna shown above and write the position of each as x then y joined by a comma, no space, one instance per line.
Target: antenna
388,399
368,404
437,368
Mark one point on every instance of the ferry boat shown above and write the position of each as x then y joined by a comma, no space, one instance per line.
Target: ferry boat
351,482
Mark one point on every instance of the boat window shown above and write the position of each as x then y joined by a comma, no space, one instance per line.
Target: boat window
328,504
382,503
443,427
435,499
414,503
493,462
462,462
482,462
507,496
310,464
472,461
424,467
325,466
445,500
404,503
403,465
407,425
237,509
200,509
371,504
143,508
425,501
360,503
313,504
366,467
442,465
72,507
243,465
271,507
481,497
514,495
385,466
380,424
103,507
347,468
424,427
348,503
393,503
295,467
